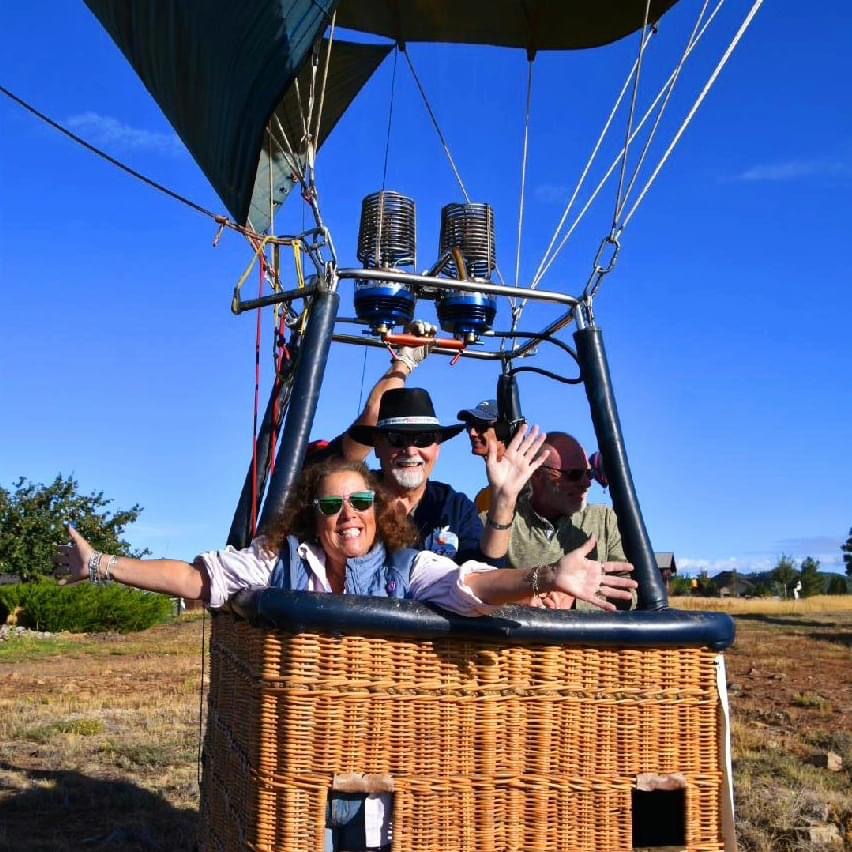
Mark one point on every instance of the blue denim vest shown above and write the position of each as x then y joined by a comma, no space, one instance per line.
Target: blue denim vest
376,574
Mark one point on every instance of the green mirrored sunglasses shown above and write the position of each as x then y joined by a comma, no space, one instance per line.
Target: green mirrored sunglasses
360,501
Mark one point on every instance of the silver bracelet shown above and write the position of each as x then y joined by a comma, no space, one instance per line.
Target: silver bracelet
113,560
94,565
534,580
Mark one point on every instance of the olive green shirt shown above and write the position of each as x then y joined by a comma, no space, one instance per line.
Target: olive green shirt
537,541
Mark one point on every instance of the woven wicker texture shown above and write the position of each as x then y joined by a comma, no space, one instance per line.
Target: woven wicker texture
491,747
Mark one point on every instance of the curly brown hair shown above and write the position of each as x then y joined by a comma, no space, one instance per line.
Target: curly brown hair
393,526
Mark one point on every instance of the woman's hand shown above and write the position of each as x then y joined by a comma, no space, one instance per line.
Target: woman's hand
72,559
591,581
520,460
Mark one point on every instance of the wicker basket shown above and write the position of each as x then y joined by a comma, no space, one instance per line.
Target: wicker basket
491,745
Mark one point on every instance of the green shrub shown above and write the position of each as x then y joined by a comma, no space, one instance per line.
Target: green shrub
85,608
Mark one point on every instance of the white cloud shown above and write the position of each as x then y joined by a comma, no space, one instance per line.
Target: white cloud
796,170
104,130
745,564
754,564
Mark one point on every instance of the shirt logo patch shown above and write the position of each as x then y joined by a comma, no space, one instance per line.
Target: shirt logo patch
443,541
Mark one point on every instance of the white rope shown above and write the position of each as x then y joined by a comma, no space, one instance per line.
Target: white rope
301,106
630,114
653,132
289,155
437,128
311,93
324,78
582,179
523,178
269,181
663,90
444,144
711,80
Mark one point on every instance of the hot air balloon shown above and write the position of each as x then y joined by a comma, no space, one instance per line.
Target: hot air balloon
527,730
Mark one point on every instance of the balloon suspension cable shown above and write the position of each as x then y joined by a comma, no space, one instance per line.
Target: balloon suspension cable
699,100
629,125
325,77
524,158
388,136
544,264
221,220
258,339
663,106
664,89
289,155
443,139
437,127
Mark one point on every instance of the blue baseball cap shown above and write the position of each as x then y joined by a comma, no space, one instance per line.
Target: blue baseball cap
485,411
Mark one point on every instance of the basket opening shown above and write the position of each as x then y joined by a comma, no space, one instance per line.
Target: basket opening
659,819
359,821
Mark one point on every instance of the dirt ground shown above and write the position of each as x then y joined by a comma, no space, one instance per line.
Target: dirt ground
99,737
786,672
790,688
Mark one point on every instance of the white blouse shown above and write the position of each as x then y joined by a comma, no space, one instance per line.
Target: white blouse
435,579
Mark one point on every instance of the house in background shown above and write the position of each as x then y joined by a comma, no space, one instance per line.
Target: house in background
732,584
667,565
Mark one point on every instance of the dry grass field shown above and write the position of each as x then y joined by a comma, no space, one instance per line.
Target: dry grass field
99,734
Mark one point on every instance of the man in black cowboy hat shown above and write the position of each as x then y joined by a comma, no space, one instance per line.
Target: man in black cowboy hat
406,438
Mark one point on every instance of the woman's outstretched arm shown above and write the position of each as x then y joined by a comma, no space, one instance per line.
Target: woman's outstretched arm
574,574
167,576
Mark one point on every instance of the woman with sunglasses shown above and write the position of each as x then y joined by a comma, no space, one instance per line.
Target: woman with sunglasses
339,533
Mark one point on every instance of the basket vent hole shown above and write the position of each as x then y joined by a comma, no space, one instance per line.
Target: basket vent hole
659,819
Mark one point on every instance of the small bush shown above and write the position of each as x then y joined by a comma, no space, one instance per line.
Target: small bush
85,608
80,727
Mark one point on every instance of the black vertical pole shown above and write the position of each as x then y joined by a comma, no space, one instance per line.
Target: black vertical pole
240,533
637,545
313,354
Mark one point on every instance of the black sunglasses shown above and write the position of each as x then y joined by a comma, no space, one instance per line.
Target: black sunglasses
360,501
481,426
411,439
575,474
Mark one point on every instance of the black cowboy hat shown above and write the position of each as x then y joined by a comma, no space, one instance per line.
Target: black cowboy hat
405,410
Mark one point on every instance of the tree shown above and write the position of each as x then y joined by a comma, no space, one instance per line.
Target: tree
847,554
681,585
785,573
837,585
812,583
33,518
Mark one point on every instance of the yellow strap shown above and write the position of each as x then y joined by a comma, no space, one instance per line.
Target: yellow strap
258,252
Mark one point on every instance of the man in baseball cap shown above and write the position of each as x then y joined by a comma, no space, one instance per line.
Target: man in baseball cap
480,422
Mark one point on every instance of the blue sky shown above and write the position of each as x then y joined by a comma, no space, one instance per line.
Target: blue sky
726,320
